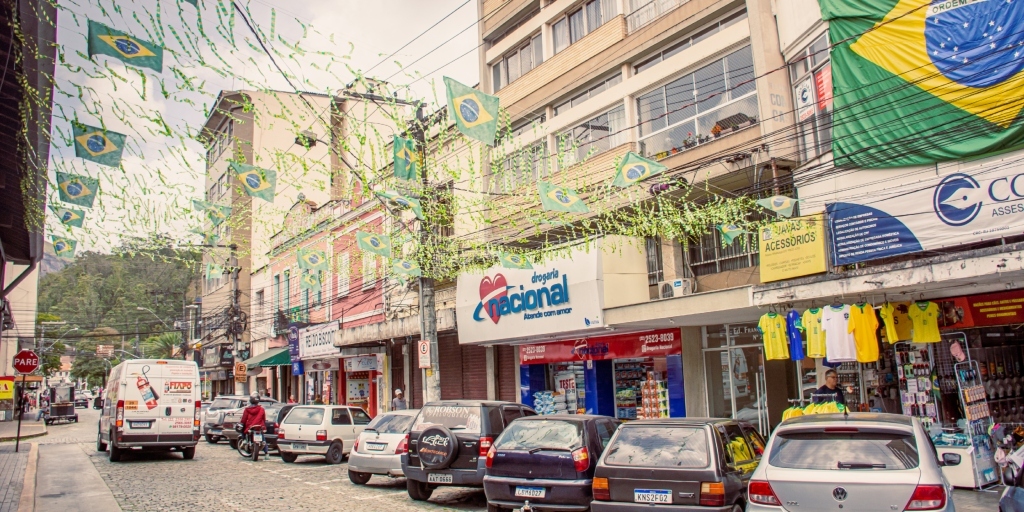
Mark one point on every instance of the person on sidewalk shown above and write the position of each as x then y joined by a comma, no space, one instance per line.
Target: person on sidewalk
44,408
398,402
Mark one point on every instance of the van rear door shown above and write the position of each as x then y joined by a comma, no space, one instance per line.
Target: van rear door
159,400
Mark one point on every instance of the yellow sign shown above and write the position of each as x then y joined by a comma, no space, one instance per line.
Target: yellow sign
6,389
793,248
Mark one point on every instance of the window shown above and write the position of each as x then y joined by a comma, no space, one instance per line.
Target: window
713,101
737,451
369,270
590,92
885,450
690,40
260,304
509,413
603,132
654,447
560,31
305,416
811,74
320,291
534,434
344,271
583,21
360,418
287,290
605,429
655,266
521,168
391,423
517,63
277,292
221,140
340,417
707,256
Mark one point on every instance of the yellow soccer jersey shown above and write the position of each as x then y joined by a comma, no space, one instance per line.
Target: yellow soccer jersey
864,326
773,330
925,316
815,334
898,326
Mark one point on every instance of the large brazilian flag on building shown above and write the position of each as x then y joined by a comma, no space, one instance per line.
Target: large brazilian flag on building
924,81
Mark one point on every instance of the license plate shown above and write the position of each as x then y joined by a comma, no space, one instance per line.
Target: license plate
376,447
652,496
299,446
530,492
257,438
139,424
436,478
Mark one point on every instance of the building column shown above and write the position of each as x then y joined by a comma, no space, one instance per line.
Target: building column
692,339
492,374
773,89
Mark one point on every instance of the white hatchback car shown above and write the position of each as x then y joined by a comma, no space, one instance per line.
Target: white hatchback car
379,448
328,430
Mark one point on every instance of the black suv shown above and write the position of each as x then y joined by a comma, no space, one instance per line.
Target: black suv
449,441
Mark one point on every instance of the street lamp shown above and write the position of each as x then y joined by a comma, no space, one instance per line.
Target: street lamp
140,308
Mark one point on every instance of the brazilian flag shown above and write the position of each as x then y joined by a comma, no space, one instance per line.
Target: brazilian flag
104,40
69,216
258,182
406,268
402,202
406,159
475,113
923,81
214,269
64,248
514,261
372,242
310,281
312,259
730,232
208,238
215,212
634,168
75,189
560,199
98,145
782,205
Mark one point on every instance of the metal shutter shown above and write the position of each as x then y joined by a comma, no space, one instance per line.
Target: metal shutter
397,363
474,372
507,368
449,357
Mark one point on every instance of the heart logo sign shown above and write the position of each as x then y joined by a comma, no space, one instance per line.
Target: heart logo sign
492,290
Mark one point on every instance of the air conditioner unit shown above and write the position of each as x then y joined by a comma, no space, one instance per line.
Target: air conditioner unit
675,288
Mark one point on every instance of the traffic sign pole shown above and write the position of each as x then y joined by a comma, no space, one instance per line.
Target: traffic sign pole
25,362
17,438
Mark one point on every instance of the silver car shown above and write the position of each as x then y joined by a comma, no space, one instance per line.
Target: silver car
379,448
860,462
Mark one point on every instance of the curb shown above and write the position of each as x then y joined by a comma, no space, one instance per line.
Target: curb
26,436
28,488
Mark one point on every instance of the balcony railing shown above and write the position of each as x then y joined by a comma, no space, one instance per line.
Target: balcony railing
703,128
645,13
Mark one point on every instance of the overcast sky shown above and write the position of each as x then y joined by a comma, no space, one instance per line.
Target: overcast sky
162,174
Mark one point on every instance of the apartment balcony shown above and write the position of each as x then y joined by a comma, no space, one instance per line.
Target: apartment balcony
644,14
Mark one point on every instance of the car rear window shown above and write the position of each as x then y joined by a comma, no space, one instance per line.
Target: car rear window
223,403
675,447
527,435
391,423
456,417
833,450
305,416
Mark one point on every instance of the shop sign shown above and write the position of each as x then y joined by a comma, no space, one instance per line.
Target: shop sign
298,368
318,341
565,383
423,349
227,357
983,310
641,344
983,203
556,296
321,365
6,388
805,100
823,84
360,363
793,248
293,341
240,372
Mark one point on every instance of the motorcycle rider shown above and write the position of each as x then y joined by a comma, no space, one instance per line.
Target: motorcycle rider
254,416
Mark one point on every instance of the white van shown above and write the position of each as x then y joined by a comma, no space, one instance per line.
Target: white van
150,404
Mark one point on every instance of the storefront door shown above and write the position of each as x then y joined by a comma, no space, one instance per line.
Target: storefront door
734,373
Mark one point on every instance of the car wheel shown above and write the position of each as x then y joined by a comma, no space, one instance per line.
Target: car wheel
212,439
189,453
289,457
737,508
418,491
114,453
100,445
233,443
335,453
359,478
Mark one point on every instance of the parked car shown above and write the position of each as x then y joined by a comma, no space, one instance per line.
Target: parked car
81,402
213,425
328,430
677,464
449,440
863,461
275,413
546,460
378,449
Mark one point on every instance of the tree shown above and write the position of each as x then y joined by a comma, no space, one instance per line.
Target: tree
87,364
49,359
163,346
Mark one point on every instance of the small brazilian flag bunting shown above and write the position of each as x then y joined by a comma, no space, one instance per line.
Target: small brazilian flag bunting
98,145
562,199
208,238
104,40
75,189
514,261
69,216
634,168
730,232
402,202
258,182
64,248
406,159
475,113
193,2
781,205
310,281
215,212
377,244
312,259
213,269
406,268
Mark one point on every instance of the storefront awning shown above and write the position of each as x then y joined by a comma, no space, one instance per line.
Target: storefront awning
281,358
257,360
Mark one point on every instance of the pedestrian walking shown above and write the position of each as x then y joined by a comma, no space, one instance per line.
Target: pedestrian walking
44,408
291,399
398,402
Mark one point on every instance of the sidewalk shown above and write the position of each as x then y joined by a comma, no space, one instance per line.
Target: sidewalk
967,500
29,428
12,474
72,483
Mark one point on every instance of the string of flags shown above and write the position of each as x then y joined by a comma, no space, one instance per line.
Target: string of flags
76,189
256,181
69,216
104,40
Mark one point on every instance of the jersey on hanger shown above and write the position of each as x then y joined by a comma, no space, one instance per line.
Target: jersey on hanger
898,326
796,343
814,332
925,316
864,327
839,342
773,330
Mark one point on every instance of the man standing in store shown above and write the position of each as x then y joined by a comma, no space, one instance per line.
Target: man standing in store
831,391
398,403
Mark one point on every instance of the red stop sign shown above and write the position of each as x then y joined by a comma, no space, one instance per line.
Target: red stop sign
26,361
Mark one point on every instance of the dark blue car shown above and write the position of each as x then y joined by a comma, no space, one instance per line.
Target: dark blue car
546,460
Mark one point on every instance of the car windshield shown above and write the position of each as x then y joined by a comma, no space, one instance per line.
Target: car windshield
223,403
843,451
305,416
459,418
527,435
669,447
391,423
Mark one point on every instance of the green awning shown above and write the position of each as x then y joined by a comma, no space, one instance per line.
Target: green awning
271,357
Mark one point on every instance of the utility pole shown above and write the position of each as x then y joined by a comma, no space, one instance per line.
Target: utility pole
428,310
235,316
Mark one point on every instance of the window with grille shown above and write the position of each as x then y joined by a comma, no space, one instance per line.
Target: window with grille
655,266
577,24
369,271
518,62
521,168
344,273
601,133
811,74
601,86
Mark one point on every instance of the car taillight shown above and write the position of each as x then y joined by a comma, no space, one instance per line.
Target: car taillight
760,492
581,459
712,494
600,488
927,497
195,417
403,447
485,444
355,445
321,435
119,416
280,433
490,456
